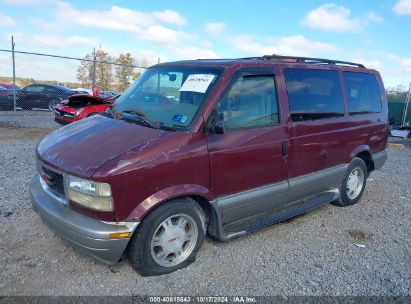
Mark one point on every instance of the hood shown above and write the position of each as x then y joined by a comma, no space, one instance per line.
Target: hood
82,100
82,147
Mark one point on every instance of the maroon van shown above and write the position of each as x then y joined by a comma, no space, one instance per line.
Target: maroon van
219,146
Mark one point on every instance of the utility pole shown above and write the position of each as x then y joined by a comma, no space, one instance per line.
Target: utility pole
94,66
14,72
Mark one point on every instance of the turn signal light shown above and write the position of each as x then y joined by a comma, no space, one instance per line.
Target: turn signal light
119,235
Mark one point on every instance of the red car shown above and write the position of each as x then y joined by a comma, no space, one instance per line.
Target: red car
80,106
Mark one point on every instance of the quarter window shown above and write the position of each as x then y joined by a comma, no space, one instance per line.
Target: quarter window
251,102
313,94
362,92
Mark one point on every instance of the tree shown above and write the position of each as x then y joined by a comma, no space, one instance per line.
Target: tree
85,71
103,73
104,70
124,71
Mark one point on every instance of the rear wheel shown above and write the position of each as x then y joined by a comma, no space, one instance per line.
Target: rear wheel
168,238
353,183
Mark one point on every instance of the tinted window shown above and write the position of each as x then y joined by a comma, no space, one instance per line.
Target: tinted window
313,94
51,90
362,92
34,89
251,102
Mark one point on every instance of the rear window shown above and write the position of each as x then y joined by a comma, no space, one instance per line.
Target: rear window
313,94
363,93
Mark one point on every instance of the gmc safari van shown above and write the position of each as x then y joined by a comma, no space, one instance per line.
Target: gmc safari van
223,147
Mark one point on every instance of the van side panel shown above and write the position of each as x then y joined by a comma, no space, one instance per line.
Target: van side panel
325,143
144,177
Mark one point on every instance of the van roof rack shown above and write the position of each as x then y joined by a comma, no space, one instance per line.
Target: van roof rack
310,60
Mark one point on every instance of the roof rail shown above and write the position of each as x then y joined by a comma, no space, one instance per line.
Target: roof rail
310,60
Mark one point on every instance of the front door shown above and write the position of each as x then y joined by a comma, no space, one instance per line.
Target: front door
248,161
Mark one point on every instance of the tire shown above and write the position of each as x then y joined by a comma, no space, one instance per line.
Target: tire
150,249
351,188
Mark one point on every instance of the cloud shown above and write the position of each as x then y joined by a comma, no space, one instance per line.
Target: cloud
296,45
117,18
335,18
7,21
406,63
371,64
171,17
215,28
20,2
163,35
193,53
161,28
402,7
55,41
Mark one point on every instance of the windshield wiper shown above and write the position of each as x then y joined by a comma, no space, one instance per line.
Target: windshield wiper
142,117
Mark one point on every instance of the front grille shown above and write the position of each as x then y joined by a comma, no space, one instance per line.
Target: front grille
54,180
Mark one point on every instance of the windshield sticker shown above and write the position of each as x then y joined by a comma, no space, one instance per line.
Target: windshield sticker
180,118
197,83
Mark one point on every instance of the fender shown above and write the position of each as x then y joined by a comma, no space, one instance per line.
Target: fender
166,194
358,150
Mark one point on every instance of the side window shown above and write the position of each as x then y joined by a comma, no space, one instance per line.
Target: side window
30,89
251,102
363,93
313,94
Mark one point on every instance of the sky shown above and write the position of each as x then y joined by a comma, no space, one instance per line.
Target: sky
373,32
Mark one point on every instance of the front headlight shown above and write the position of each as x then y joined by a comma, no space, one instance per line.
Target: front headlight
89,194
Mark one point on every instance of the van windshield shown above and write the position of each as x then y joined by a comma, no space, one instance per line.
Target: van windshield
166,97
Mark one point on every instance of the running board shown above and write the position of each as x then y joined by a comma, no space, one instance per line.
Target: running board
226,232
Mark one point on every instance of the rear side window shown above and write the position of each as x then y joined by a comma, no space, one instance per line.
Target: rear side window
34,89
313,94
363,93
250,103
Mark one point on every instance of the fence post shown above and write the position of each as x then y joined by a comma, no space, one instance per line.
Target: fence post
14,72
94,66
405,109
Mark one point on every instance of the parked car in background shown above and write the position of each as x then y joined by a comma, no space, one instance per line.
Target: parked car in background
108,94
250,142
41,96
6,96
9,86
83,91
77,107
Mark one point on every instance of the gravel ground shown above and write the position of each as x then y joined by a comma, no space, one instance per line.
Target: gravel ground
314,254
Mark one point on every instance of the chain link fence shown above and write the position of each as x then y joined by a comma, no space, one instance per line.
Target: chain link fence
399,110
30,80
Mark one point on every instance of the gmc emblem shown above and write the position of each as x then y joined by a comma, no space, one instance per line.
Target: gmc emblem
47,178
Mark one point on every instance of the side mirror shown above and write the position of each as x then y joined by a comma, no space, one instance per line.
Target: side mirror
219,124
215,123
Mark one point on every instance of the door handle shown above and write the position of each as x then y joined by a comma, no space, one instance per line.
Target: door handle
284,149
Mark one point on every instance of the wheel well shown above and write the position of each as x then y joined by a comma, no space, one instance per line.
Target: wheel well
204,204
366,157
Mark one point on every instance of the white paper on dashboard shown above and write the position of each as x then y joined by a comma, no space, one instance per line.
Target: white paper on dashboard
197,83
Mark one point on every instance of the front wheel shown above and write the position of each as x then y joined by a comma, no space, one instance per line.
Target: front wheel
168,238
353,183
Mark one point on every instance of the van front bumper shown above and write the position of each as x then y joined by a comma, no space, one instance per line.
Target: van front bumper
89,235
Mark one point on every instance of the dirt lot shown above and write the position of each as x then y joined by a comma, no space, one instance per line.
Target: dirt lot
360,250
